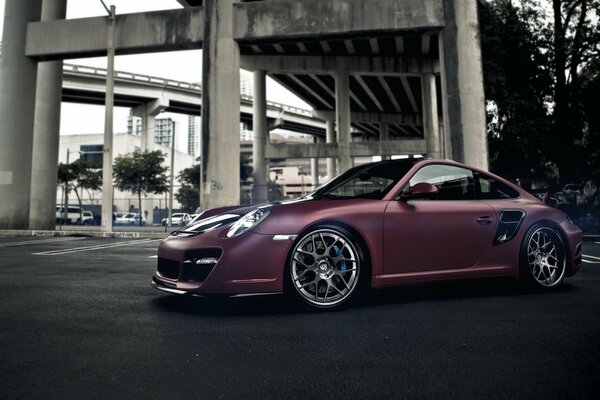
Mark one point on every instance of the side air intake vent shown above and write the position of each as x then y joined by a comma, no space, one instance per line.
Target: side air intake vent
510,221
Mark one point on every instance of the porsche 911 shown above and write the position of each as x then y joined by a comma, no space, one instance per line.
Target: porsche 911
377,225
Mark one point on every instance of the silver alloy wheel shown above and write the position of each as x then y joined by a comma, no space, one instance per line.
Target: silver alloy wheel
325,267
546,257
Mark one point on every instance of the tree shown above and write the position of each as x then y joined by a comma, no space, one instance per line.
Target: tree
77,176
141,172
538,66
590,87
574,44
245,168
517,86
188,194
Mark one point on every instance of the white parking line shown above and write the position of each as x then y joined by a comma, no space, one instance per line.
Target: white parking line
592,257
96,247
35,241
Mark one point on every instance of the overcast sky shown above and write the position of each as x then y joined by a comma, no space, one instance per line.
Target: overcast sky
180,65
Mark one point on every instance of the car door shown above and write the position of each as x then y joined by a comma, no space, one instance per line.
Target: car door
447,230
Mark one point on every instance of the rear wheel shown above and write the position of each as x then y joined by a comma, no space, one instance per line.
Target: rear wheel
325,267
544,257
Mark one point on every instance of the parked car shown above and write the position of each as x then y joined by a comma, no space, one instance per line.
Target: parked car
130,219
88,218
177,219
73,216
377,225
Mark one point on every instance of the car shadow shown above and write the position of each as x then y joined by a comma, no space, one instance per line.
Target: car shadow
280,304
475,288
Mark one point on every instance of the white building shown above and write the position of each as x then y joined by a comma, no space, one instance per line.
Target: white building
90,147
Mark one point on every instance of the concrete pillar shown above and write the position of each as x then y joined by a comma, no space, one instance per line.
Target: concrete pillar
146,143
430,117
148,112
314,168
260,191
46,130
462,83
17,111
330,138
220,106
149,132
384,134
342,117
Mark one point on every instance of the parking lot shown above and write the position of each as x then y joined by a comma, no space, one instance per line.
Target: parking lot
78,319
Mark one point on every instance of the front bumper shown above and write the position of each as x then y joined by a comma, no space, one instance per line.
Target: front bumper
158,285
212,264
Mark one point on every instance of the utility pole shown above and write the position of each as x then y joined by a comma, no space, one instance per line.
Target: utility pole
172,177
201,183
65,207
107,170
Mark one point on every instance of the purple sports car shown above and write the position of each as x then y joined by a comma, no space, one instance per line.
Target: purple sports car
377,225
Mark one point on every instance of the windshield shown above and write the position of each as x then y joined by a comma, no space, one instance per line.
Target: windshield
370,181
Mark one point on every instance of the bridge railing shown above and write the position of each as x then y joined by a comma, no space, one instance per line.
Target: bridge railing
131,76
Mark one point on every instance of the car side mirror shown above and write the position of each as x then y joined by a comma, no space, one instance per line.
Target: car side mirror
420,190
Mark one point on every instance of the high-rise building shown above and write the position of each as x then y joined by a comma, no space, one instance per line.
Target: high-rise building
134,125
194,126
246,85
245,134
163,129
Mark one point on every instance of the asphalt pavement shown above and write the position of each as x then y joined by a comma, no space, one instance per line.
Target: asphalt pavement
79,320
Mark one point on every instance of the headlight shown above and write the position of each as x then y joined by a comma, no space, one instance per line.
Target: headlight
249,221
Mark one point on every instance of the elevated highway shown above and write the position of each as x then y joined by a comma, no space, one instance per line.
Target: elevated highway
84,84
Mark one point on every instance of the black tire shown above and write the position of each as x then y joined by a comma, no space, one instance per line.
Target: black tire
544,257
326,268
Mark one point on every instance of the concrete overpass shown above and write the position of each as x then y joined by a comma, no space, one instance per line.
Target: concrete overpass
139,92
402,69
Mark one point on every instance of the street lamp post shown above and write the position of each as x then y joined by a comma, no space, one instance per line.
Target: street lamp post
301,173
107,170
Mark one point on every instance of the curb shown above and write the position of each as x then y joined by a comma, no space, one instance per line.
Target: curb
84,233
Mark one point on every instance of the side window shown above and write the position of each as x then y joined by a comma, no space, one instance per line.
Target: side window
489,188
453,183
364,186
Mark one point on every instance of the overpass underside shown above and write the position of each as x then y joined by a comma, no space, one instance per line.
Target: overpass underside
386,76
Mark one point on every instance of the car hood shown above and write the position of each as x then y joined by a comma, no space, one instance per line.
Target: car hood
217,217
289,215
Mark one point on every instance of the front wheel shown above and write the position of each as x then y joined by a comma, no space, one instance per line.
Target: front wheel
325,267
544,257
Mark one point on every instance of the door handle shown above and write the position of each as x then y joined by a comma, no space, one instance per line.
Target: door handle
485,220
